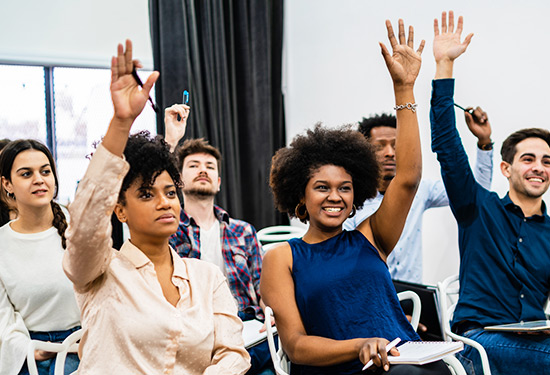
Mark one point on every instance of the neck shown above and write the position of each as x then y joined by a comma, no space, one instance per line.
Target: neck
530,206
157,250
316,235
201,209
33,220
383,185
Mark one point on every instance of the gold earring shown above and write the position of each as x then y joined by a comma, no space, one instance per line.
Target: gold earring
301,215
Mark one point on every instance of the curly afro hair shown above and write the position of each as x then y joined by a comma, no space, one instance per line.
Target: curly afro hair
148,157
293,166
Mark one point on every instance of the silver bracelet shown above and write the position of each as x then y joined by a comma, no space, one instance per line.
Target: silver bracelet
411,106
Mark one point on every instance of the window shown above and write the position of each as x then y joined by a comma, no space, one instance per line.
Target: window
81,115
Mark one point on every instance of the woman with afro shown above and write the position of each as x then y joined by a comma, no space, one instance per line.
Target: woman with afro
144,309
330,291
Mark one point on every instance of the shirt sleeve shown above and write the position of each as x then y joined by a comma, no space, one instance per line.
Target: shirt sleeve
89,243
459,181
483,171
14,336
229,357
254,259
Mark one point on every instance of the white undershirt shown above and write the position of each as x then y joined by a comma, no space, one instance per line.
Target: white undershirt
211,246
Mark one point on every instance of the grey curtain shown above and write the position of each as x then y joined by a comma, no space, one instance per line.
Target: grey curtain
227,54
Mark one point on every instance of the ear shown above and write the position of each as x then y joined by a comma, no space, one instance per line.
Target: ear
6,184
120,213
219,183
505,169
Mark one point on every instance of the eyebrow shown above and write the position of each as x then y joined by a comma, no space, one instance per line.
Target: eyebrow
28,168
326,182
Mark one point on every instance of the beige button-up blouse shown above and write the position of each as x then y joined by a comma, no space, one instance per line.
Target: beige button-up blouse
129,326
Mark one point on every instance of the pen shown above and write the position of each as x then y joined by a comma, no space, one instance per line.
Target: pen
470,111
138,80
389,347
185,97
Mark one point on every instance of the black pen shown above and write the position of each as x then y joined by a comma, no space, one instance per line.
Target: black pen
138,80
470,111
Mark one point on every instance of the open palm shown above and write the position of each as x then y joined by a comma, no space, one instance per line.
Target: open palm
447,45
404,63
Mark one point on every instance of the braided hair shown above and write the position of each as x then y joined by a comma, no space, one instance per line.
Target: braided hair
7,158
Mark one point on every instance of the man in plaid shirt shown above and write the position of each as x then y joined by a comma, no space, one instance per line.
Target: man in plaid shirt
207,232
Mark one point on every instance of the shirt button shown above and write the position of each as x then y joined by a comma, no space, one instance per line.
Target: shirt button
177,315
521,296
524,219
521,239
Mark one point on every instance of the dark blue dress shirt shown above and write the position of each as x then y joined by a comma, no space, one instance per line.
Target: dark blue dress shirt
504,256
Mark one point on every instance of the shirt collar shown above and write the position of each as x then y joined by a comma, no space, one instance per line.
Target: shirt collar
139,259
511,206
220,213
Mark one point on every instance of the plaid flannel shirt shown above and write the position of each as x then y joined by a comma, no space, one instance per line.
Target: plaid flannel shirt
241,253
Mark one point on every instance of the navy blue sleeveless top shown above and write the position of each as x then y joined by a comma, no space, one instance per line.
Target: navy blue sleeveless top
344,290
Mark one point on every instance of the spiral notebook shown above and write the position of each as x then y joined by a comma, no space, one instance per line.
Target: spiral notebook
422,352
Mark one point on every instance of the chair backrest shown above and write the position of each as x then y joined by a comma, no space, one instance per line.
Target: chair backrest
279,233
69,345
281,363
448,299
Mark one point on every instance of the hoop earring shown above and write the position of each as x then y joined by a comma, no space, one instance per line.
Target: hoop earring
353,211
302,216
11,195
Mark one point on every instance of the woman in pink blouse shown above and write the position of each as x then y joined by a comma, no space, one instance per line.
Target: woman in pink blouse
144,309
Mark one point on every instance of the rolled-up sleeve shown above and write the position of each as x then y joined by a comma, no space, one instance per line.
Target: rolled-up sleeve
89,243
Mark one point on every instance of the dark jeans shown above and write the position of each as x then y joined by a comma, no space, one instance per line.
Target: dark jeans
509,353
47,367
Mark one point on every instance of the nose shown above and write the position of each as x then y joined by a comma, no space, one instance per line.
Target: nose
163,202
38,178
389,151
334,196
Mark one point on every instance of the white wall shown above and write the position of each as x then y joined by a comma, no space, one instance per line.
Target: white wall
335,74
72,32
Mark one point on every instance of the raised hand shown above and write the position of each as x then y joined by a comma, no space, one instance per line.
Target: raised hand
404,63
478,123
128,98
447,45
175,129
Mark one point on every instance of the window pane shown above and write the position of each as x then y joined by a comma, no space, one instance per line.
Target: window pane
83,110
22,102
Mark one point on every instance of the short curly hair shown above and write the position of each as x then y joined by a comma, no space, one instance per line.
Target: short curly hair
148,157
384,119
508,150
293,166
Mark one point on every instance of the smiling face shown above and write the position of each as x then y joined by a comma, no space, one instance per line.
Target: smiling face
151,212
32,180
200,175
529,172
329,197
383,140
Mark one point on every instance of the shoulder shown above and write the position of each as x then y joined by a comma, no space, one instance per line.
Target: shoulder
280,253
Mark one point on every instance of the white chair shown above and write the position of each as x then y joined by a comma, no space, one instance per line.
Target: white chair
281,363
69,345
279,233
448,298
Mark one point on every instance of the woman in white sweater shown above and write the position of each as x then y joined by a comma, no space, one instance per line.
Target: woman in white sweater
36,299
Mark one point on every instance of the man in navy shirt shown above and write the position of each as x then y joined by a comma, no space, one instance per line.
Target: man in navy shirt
504,242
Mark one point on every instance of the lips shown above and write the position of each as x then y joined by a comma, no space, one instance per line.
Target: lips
535,179
166,218
40,192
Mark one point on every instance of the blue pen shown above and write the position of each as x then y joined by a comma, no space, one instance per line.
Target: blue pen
185,96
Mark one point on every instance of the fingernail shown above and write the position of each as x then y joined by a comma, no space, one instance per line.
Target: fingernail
386,367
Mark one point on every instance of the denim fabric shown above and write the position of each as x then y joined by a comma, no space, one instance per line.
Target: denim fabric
47,367
509,353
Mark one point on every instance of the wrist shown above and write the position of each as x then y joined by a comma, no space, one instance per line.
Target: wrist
444,69
485,145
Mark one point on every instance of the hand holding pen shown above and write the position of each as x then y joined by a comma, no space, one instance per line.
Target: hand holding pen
478,123
379,356
175,123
